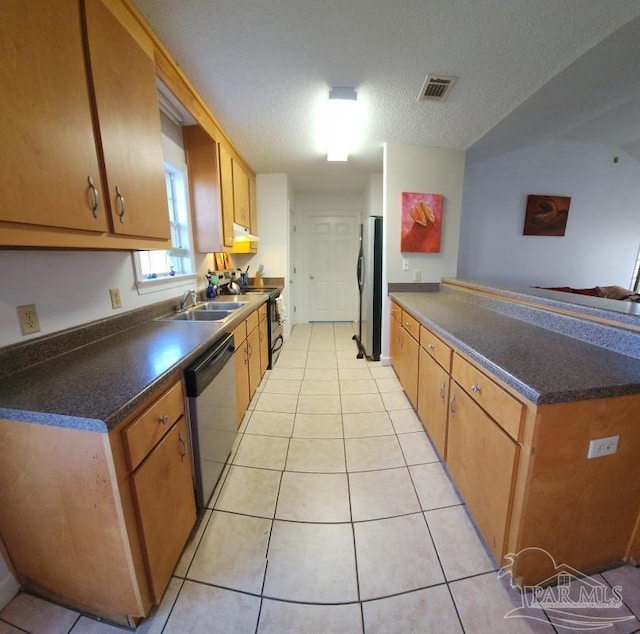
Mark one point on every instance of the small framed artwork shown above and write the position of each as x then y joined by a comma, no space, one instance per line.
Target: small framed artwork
546,215
421,222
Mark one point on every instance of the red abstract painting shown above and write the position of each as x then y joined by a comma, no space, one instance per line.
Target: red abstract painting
421,222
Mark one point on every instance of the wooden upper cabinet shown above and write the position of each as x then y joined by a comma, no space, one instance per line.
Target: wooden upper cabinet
126,106
48,151
201,151
241,195
226,194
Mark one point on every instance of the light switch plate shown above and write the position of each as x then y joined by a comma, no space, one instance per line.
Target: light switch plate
603,447
405,264
417,275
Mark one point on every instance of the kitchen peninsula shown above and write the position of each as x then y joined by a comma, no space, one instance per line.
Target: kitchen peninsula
514,388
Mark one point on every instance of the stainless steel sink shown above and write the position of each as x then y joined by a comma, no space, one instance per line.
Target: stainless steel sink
213,306
200,315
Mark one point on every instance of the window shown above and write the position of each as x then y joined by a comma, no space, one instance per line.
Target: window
159,268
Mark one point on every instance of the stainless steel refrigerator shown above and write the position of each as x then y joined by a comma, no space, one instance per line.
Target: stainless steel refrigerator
369,272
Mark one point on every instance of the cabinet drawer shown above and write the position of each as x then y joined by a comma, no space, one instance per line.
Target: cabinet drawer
437,348
411,325
498,403
145,432
252,321
262,312
239,334
395,311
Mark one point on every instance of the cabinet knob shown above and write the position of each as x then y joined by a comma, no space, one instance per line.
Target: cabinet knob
163,419
96,197
430,346
475,388
120,198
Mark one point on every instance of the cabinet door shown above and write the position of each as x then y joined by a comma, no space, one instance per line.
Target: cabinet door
166,520
264,346
226,194
394,344
241,195
253,342
201,152
409,365
243,397
48,149
126,103
433,400
481,459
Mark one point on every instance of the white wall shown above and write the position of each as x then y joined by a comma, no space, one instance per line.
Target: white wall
305,204
603,228
272,201
414,168
71,288
373,198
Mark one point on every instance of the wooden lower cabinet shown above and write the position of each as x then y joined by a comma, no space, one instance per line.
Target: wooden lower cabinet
255,374
433,401
264,339
249,355
522,468
80,528
481,460
163,491
404,354
243,395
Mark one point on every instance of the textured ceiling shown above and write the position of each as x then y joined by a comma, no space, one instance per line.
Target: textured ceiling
265,69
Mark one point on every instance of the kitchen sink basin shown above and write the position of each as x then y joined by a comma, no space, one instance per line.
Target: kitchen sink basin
200,315
217,306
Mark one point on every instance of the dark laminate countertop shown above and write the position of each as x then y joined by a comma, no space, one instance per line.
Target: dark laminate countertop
96,386
543,365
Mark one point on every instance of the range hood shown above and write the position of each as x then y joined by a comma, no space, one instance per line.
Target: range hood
242,234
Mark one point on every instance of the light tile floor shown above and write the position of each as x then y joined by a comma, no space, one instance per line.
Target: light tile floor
334,515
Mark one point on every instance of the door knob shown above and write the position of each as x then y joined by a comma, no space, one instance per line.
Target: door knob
312,277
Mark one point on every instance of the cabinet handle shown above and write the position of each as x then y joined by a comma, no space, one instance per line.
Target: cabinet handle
249,351
452,404
430,346
183,453
96,197
120,198
163,419
442,386
475,388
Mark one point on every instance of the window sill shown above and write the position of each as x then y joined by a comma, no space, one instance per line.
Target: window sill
162,283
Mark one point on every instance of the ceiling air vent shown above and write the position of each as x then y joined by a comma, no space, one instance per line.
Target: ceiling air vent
436,88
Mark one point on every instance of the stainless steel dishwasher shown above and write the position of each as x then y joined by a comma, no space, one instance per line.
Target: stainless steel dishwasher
210,384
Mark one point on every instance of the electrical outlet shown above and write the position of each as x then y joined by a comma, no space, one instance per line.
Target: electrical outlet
405,264
28,318
603,447
417,275
116,300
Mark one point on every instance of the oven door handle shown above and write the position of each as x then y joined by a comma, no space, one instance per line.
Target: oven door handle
277,344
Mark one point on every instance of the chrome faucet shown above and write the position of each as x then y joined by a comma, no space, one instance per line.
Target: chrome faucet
190,294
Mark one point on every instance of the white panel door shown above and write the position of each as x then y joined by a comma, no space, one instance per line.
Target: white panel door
332,250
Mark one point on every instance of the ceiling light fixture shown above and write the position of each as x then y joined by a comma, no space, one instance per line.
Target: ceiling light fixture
341,123
242,234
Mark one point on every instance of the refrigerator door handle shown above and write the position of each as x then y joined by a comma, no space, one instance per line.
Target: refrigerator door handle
360,270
